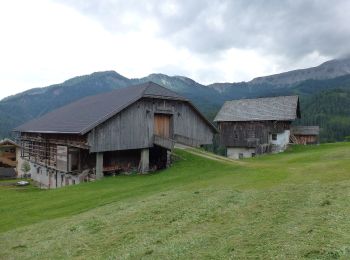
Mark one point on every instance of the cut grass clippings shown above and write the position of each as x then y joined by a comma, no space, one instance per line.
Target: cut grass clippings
288,206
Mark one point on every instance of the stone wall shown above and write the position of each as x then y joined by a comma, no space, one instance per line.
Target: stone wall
240,152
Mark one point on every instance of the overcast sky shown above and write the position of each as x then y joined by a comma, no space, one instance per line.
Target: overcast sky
48,41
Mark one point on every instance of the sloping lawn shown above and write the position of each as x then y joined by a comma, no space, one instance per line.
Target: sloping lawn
287,206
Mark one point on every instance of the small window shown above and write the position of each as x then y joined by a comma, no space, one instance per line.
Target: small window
253,154
274,137
235,134
240,155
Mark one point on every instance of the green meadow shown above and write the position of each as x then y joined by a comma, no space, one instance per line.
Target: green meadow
292,205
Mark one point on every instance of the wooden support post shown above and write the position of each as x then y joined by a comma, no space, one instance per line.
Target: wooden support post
168,158
99,165
144,160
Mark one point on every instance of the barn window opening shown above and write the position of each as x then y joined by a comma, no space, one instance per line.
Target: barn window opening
253,154
274,137
235,135
73,159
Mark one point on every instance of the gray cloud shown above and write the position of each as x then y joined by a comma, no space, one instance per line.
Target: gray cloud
289,29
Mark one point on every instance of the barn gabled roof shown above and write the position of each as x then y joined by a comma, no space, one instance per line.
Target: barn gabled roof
282,108
83,115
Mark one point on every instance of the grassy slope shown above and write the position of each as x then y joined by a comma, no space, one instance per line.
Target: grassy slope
289,205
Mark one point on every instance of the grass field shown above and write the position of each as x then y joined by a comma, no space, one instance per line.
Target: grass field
286,206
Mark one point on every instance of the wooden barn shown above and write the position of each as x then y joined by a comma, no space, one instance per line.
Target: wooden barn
305,134
249,127
128,129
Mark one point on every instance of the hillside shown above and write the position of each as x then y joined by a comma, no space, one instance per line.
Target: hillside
331,111
326,103
17,109
327,70
287,206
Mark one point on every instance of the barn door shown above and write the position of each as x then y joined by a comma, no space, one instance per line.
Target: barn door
162,125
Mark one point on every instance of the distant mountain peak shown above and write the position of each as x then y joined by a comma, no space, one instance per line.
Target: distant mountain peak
327,70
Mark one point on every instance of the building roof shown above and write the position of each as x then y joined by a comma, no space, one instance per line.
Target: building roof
7,141
305,130
83,115
282,108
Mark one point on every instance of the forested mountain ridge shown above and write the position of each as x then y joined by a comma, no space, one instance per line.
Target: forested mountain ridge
15,110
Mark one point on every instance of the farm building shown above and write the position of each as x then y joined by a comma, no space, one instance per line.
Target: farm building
305,134
128,129
10,162
249,127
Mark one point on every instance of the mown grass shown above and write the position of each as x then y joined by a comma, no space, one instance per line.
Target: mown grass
288,206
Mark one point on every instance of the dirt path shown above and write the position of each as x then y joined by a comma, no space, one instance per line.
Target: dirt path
208,155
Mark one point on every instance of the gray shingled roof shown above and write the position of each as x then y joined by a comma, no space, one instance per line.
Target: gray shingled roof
283,108
83,115
305,130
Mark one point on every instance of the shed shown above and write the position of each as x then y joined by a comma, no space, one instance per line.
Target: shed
305,134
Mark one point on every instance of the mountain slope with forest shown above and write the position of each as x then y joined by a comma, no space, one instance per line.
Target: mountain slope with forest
329,82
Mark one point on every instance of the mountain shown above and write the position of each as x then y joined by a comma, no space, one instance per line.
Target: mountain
16,109
330,110
331,78
327,70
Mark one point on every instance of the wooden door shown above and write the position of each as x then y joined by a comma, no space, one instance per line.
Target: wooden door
162,125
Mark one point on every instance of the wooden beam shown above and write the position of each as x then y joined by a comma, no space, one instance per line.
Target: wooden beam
99,166
144,163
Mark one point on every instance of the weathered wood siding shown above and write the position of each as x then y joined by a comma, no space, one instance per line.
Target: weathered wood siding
249,134
307,139
188,124
129,129
133,128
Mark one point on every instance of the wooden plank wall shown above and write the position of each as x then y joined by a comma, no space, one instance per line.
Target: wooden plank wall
249,134
188,124
132,128
307,139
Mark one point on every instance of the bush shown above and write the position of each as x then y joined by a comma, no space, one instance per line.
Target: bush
25,167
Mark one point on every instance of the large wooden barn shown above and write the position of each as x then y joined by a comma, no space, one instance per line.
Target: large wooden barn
129,129
254,126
